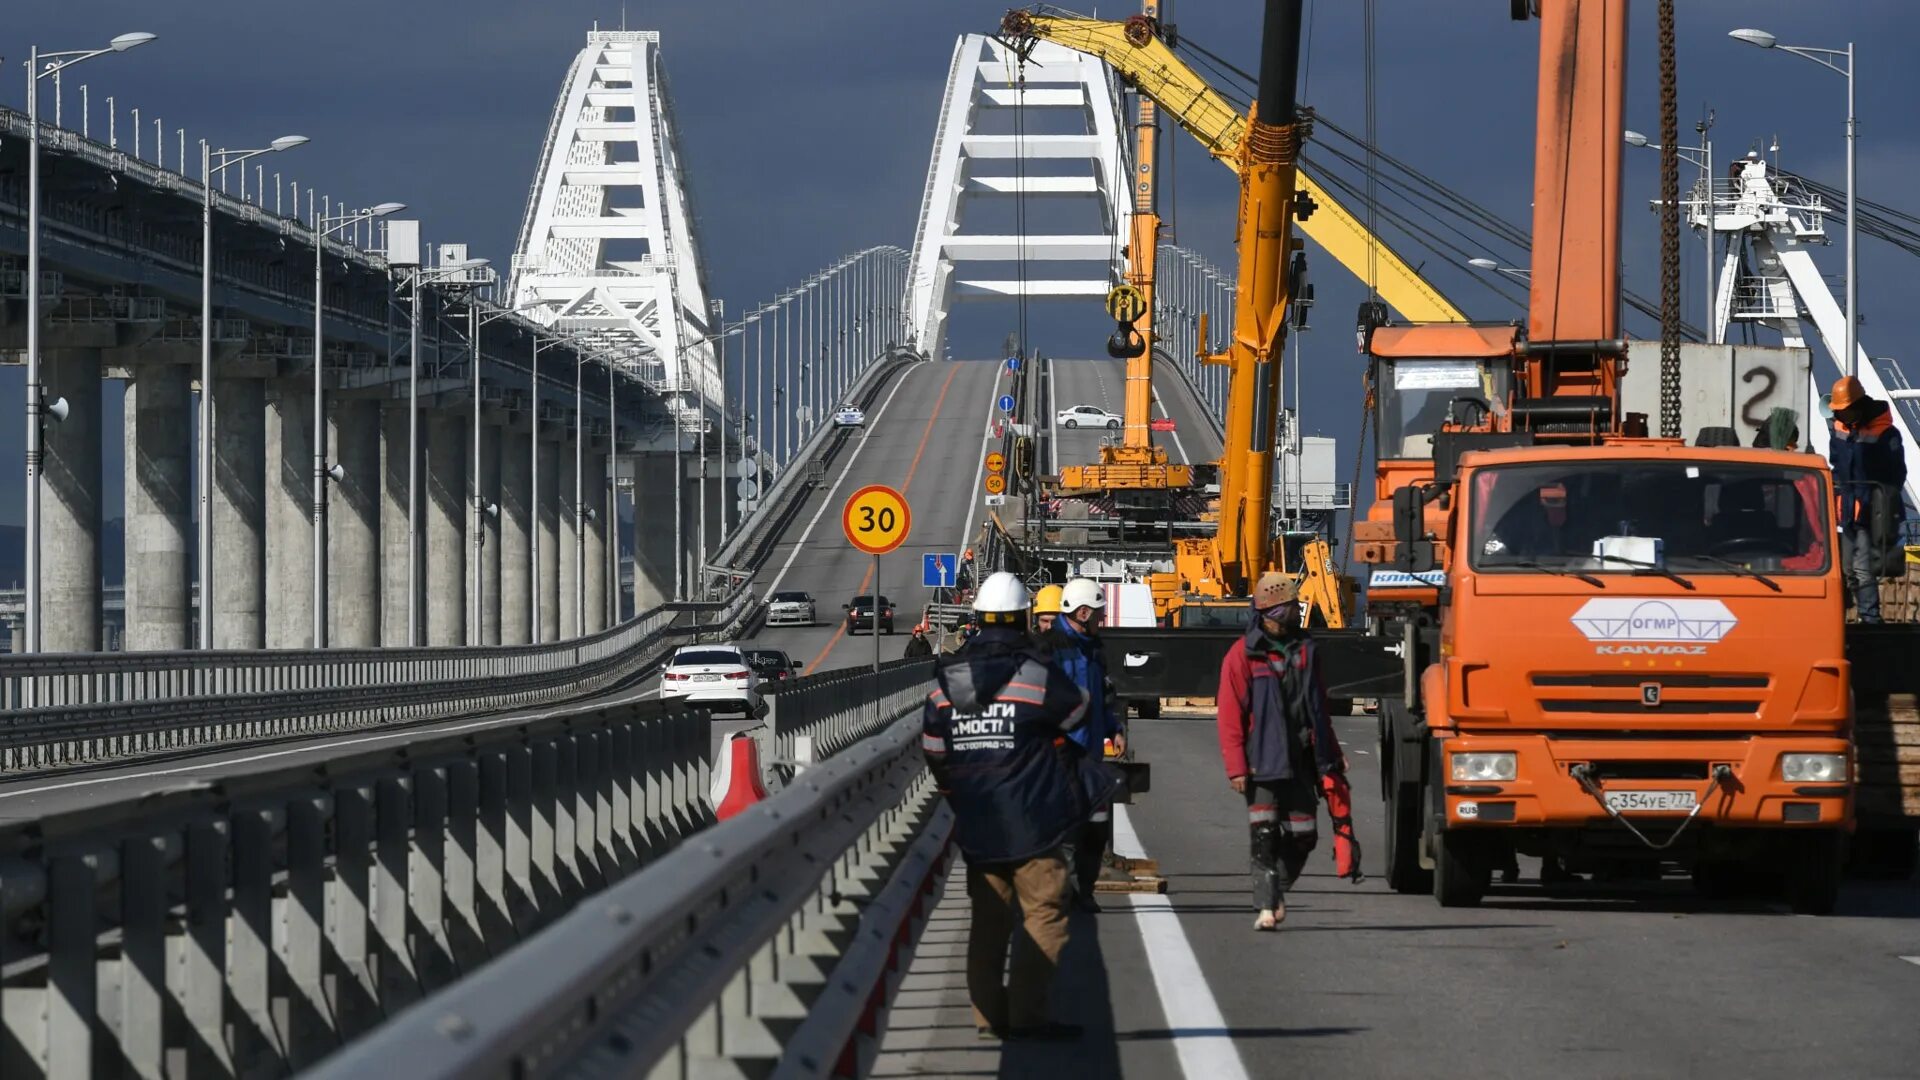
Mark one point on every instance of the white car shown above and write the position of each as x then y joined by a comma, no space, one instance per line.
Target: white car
1079,416
849,416
718,674
790,609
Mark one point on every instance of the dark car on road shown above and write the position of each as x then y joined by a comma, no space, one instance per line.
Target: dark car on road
860,614
772,665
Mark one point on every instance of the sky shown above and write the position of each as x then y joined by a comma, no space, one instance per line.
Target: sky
807,128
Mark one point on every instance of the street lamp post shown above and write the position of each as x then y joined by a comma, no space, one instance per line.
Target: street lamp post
214,163
1705,161
1764,40
324,227
55,61
419,277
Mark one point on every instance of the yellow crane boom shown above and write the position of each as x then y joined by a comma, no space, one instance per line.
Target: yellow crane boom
1134,49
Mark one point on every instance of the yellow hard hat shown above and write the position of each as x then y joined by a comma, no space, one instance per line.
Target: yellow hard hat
1047,600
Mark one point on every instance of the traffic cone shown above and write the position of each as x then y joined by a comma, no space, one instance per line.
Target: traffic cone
737,785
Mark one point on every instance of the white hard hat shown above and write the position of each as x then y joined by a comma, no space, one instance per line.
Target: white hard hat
1001,594
1082,592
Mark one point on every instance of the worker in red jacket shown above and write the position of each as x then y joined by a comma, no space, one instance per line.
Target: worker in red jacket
1276,740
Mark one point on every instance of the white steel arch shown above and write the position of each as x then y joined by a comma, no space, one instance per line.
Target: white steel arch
607,249
969,163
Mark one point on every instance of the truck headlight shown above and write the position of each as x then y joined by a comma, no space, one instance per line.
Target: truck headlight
1499,765
1813,768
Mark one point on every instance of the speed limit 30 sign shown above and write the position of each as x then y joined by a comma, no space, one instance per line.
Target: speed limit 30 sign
876,519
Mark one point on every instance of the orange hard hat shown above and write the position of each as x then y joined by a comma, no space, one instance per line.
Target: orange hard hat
1846,391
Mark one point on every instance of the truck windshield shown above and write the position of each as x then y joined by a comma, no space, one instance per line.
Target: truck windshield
1415,395
1708,517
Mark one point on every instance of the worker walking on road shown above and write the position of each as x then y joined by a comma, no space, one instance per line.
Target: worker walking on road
1869,471
991,735
1074,641
1276,740
918,646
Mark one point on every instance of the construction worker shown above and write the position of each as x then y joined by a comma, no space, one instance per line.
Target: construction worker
1868,461
990,734
918,645
1046,608
1074,642
1276,740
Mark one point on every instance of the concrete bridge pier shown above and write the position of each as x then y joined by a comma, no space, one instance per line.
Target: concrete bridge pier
353,524
445,514
515,582
570,521
239,518
595,564
159,507
393,524
654,553
70,619
547,520
486,621
289,513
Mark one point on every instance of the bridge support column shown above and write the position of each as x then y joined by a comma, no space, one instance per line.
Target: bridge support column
70,618
353,525
653,548
445,513
487,620
595,564
289,495
159,508
239,520
548,522
393,525
515,581
569,543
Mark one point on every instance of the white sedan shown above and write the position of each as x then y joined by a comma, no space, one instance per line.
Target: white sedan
790,609
849,416
716,674
1079,416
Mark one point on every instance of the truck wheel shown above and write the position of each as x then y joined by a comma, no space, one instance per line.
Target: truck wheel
1814,866
1460,871
1148,708
1404,872
1885,854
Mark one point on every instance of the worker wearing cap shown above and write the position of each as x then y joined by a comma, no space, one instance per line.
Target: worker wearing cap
1867,458
1046,608
918,646
991,735
1276,740
1074,642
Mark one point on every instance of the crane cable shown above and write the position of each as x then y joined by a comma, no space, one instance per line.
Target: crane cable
1669,232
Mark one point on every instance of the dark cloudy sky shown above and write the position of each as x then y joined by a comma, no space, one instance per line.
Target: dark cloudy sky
807,126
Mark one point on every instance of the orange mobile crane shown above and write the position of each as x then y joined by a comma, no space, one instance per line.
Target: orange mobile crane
1620,651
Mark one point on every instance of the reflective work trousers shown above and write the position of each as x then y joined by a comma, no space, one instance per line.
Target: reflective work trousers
1030,894
1283,823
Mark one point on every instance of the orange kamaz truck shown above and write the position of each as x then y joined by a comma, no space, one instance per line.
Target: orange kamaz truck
1622,653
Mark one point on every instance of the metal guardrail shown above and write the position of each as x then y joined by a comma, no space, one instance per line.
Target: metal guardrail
251,922
761,948
63,709
815,718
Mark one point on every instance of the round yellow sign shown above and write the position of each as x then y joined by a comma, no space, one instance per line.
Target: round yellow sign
996,462
876,519
996,484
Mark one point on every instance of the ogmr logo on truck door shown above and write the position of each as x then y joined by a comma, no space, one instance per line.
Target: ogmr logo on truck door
1652,626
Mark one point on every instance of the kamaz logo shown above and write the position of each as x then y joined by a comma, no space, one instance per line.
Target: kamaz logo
1651,650
1630,619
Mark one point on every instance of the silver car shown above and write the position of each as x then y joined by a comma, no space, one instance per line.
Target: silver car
790,609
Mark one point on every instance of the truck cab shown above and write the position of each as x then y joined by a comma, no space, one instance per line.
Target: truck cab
1640,659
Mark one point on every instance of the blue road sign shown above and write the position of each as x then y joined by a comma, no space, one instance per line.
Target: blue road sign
939,571
1006,403
1013,364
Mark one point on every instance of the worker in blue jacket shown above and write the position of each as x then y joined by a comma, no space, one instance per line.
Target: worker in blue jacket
1075,644
993,735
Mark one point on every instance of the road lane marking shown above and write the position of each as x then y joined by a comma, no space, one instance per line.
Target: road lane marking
979,471
867,579
865,434
1915,960
1177,445
1194,1020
